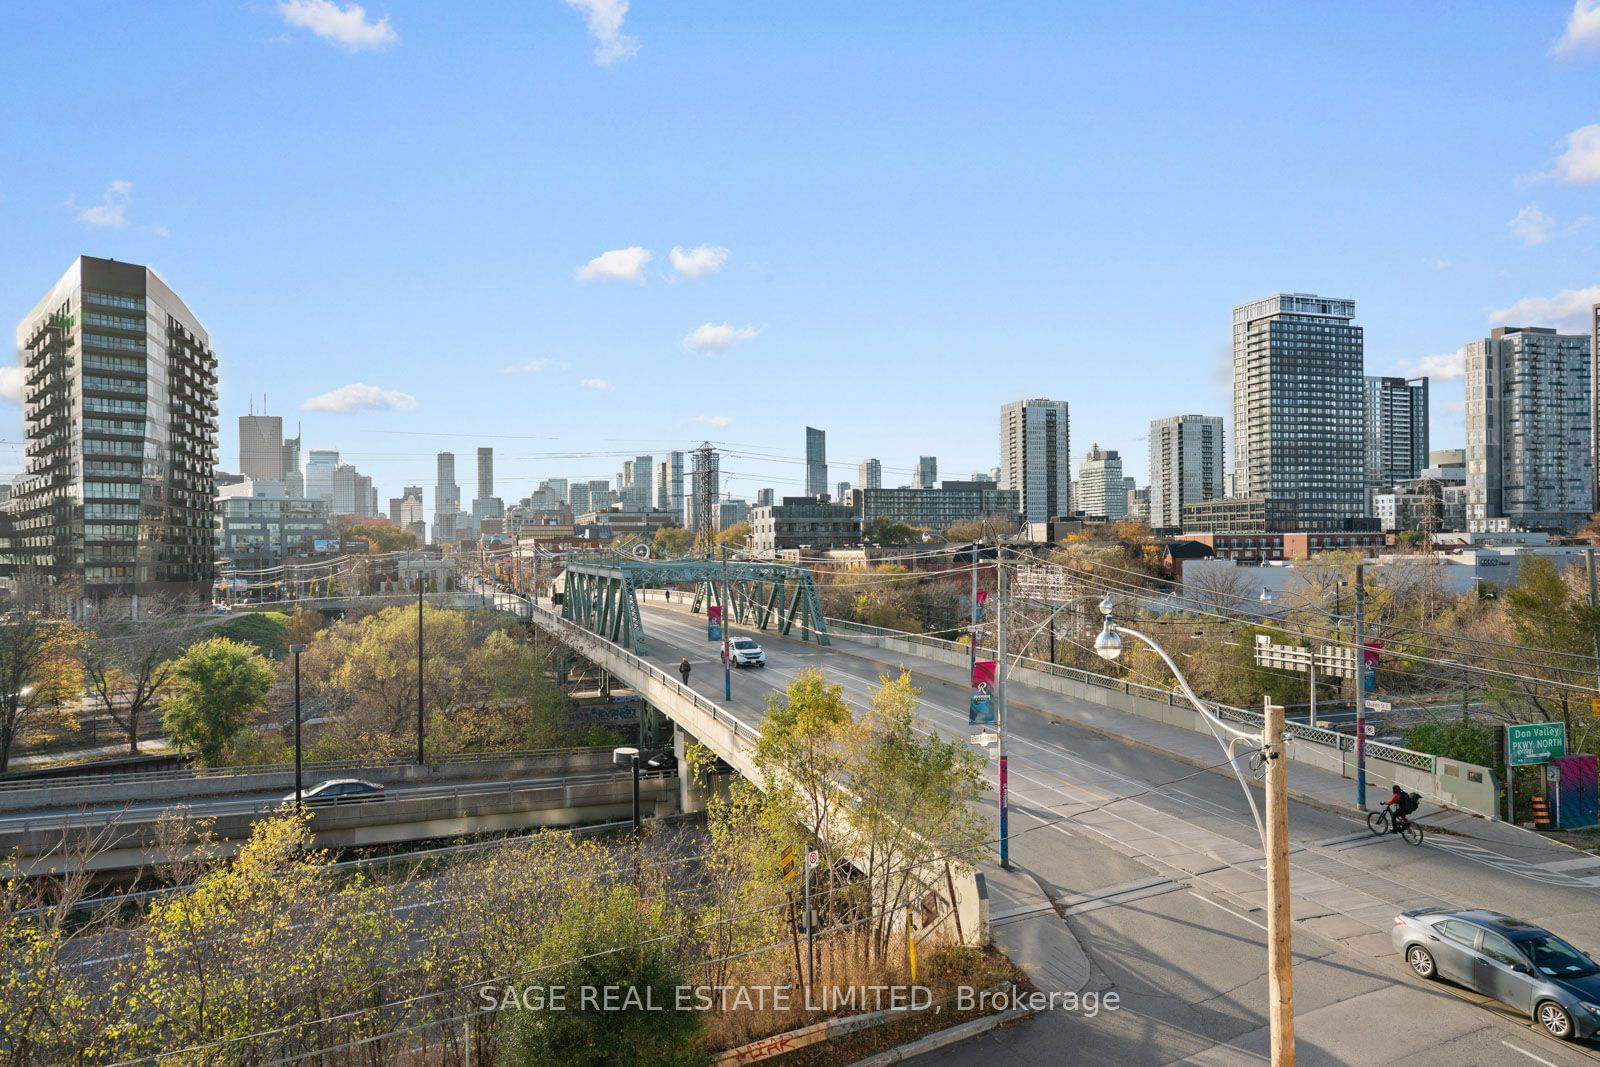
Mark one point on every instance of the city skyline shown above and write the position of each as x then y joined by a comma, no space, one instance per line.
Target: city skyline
680,273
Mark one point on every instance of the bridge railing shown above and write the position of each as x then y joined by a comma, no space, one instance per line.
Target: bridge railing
583,640
1340,742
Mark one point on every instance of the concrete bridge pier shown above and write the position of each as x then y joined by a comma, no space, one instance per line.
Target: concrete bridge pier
692,792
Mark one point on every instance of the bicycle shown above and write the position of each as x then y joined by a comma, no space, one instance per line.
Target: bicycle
1380,823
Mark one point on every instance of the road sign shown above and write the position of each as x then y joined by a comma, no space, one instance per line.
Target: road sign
1531,743
786,864
985,738
1594,707
1379,705
1368,729
1334,661
812,858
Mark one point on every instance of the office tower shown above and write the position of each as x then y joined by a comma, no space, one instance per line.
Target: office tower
663,486
485,473
599,494
486,505
927,473
320,465
394,509
675,479
816,462
1297,420
1528,435
346,488
1395,413
764,498
1185,466
870,474
578,497
1035,456
294,481
1101,490
261,452
119,424
410,506
841,493
641,494
446,500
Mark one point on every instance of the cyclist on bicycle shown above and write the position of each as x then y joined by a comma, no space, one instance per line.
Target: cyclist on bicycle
1400,805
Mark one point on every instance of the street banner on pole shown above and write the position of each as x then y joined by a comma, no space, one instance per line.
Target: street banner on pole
982,602
980,711
713,622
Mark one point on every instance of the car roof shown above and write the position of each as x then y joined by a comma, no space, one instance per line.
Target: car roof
348,781
1506,925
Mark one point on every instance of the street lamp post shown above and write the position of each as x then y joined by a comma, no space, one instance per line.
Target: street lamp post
420,749
299,784
624,757
727,617
1274,833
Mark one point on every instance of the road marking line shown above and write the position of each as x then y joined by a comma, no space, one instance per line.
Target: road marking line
1236,915
1531,1056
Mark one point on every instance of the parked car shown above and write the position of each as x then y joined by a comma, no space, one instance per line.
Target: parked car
746,653
340,791
1515,962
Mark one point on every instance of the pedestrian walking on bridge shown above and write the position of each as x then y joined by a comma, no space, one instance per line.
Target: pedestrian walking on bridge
683,669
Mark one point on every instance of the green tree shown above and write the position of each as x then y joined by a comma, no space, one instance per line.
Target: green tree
1557,628
1466,739
619,939
888,532
384,537
921,809
266,630
218,688
40,670
672,541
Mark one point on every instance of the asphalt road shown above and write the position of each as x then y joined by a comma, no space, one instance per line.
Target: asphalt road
1188,961
99,814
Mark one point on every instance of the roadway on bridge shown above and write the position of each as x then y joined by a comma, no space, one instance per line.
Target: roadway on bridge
1188,957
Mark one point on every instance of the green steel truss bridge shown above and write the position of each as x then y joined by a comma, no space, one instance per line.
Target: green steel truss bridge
601,594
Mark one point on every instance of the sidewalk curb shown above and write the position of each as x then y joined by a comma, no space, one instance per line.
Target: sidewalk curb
942,1038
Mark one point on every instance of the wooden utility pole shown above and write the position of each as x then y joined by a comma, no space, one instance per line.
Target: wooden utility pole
1280,954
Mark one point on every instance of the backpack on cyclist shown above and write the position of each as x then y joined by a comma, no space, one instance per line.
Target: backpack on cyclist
1409,802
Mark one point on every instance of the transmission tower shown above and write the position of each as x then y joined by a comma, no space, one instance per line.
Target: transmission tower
705,499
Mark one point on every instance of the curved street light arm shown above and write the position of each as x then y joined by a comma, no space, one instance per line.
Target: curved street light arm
1218,728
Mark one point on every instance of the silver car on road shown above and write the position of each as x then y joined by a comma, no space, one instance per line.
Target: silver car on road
1515,962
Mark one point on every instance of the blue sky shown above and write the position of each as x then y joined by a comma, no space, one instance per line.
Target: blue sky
927,210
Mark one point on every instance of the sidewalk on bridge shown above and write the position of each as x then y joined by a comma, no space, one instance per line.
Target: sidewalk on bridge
1307,784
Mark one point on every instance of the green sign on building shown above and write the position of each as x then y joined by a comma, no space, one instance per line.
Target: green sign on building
1532,743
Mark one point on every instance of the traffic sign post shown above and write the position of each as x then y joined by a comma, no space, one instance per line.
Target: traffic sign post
1529,744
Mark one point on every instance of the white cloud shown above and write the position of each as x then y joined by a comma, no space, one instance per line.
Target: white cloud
604,19
1583,29
1580,163
1532,226
718,336
617,265
595,383
111,213
1568,311
533,366
11,384
699,261
360,397
716,422
1439,264
1444,367
345,25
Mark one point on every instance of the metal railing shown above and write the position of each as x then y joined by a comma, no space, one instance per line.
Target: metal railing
583,640
1308,734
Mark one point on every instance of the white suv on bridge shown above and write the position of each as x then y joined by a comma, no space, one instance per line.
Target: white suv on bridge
746,653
